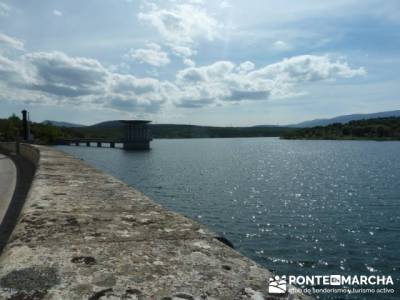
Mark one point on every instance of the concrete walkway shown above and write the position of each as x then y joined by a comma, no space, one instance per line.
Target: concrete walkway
8,178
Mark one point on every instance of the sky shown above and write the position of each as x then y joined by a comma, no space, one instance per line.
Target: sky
224,63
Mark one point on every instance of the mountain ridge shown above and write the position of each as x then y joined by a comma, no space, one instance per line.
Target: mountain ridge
345,119
305,124
62,124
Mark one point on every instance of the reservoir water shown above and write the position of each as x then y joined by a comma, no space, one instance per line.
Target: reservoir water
295,207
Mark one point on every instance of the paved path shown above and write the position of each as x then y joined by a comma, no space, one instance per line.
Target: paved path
8,177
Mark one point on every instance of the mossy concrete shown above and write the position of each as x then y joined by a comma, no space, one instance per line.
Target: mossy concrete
85,235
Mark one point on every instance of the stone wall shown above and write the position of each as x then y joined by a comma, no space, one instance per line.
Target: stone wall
28,151
7,146
83,234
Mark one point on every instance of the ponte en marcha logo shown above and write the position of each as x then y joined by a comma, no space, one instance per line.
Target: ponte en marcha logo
314,284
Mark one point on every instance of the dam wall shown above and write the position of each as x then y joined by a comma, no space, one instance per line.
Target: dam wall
82,234
27,151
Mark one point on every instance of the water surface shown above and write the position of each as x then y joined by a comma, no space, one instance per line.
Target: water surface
296,207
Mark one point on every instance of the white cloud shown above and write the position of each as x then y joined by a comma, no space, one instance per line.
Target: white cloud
223,81
188,62
152,55
246,67
307,68
182,51
197,1
57,13
59,74
13,71
225,4
56,78
206,73
10,42
130,84
217,83
281,46
4,9
182,24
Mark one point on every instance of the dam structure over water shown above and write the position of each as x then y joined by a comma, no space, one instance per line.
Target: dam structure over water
82,234
137,136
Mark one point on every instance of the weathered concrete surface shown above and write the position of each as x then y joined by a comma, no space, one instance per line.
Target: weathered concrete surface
85,235
25,168
8,180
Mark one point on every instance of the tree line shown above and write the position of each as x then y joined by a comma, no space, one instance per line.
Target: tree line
375,129
11,129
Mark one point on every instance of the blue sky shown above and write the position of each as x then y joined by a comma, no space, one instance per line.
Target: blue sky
199,62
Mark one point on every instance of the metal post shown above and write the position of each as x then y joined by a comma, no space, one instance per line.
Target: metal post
25,125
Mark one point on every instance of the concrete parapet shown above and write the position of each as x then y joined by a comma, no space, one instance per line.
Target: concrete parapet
29,152
8,146
8,182
83,234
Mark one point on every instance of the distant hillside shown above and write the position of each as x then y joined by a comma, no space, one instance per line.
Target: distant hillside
61,124
346,118
108,124
371,129
113,129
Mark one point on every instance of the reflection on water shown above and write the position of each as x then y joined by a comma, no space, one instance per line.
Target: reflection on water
297,207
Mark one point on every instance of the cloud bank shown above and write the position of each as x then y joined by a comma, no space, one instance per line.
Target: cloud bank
59,79
8,42
152,55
